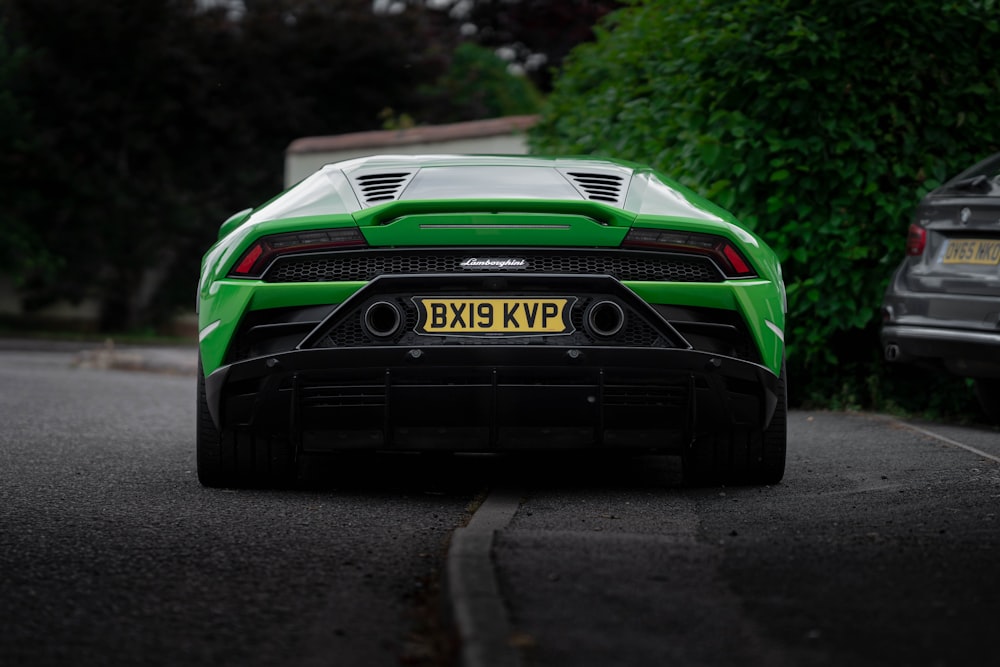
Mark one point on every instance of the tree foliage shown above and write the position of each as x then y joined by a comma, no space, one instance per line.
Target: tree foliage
151,121
130,129
537,34
818,124
21,250
479,85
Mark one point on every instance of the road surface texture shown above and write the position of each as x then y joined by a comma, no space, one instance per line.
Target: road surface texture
111,553
879,548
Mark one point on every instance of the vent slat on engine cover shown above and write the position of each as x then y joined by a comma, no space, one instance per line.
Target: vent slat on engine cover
607,188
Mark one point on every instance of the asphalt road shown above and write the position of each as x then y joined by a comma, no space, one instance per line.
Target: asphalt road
879,548
111,553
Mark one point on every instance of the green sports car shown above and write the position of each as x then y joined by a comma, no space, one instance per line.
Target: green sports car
461,303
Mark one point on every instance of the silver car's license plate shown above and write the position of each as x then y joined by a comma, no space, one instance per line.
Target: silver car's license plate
972,251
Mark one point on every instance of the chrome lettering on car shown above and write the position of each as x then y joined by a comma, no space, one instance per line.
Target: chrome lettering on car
490,263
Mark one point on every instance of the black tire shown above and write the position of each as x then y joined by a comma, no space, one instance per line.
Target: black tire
742,457
230,458
988,393
208,441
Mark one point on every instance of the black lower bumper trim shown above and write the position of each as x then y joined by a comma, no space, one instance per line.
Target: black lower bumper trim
496,398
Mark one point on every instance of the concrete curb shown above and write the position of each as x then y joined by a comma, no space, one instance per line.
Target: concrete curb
110,355
477,609
164,360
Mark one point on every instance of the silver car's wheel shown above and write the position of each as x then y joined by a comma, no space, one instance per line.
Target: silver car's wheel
988,393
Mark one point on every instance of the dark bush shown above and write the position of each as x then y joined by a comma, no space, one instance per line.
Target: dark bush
818,124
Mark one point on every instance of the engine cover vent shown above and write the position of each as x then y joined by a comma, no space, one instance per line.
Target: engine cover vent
607,188
379,188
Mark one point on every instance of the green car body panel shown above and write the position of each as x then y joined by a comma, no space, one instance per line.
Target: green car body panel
493,206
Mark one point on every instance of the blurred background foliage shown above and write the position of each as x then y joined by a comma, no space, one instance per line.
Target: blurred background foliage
479,85
129,129
820,125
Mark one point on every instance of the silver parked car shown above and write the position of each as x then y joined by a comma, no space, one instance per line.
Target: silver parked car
942,307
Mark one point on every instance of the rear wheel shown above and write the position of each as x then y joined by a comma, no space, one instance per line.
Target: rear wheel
231,458
742,457
988,393
208,441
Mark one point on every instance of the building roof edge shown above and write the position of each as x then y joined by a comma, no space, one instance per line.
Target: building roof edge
413,135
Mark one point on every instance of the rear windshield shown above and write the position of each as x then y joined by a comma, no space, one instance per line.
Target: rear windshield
489,182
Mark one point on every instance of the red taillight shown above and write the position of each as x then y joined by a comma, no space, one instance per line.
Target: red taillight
255,260
736,260
916,240
726,255
249,259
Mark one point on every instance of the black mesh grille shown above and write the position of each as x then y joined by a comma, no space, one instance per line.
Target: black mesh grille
366,265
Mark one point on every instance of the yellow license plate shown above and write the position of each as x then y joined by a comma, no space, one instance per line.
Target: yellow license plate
489,316
972,251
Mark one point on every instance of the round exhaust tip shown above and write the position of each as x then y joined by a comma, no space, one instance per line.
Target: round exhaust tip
605,319
382,319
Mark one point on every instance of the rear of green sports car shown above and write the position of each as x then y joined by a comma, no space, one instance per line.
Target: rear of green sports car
489,304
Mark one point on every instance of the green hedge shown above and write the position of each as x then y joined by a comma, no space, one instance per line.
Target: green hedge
819,124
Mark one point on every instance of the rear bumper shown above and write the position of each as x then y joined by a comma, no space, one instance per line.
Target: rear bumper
491,398
964,352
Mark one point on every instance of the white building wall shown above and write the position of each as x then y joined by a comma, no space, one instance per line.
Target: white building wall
496,135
